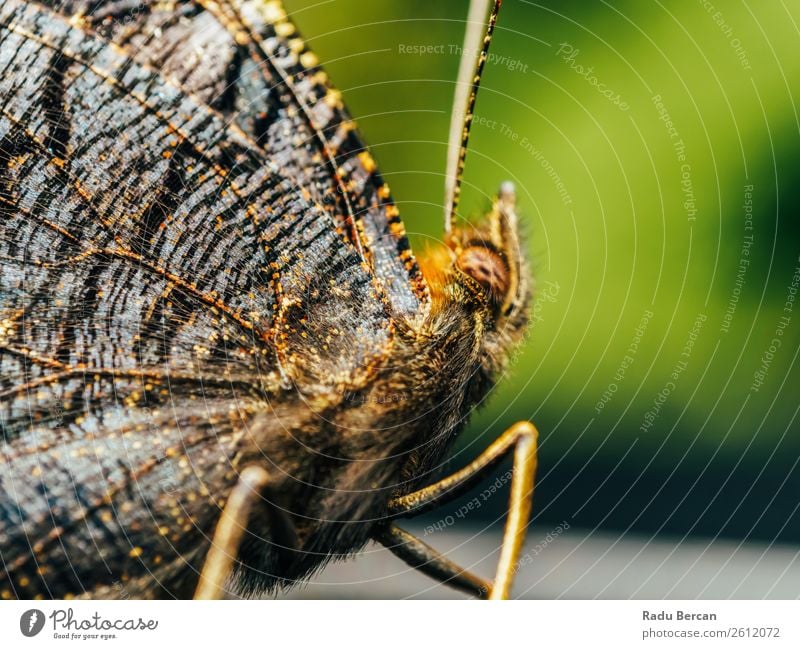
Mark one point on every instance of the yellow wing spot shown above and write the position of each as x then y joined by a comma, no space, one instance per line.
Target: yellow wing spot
136,552
272,12
18,160
202,351
309,59
78,20
6,331
284,29
320,77
367,161
333,98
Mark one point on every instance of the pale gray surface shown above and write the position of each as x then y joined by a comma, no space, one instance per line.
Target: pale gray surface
578,565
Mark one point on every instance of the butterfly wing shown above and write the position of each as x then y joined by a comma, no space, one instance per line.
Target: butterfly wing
163,284
246,59
117,509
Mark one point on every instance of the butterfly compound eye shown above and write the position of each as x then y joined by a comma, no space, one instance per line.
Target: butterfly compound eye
487,268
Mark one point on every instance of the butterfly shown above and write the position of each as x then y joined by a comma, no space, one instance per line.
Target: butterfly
221,365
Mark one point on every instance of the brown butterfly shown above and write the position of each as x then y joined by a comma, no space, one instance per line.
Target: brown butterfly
220,363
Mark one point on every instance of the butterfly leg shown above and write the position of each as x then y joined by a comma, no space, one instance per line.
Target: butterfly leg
230,530
521,439
428,561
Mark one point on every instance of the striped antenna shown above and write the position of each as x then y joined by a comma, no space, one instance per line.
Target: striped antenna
469,80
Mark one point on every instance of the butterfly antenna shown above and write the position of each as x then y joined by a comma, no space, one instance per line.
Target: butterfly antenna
469,80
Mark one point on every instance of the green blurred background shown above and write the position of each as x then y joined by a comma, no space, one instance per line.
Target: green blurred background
624,219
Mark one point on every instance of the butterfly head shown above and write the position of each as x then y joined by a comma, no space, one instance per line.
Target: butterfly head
489,262
481,275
